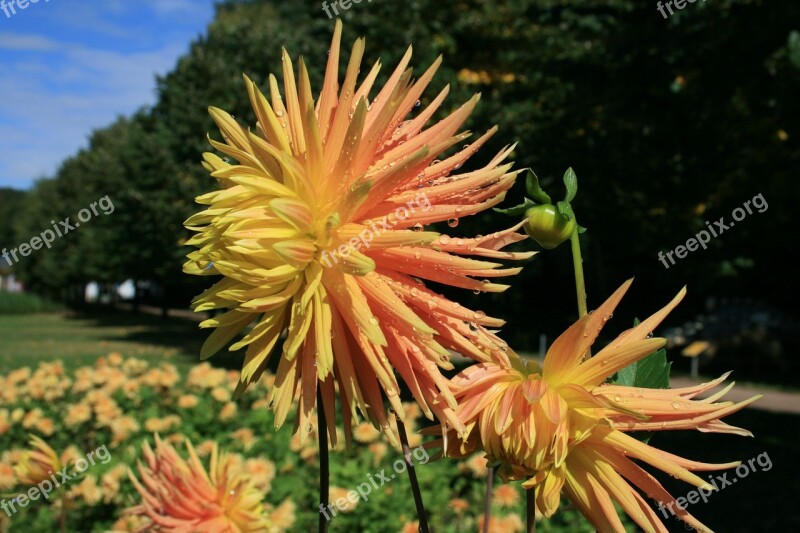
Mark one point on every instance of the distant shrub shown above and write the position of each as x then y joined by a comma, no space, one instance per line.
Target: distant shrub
12,303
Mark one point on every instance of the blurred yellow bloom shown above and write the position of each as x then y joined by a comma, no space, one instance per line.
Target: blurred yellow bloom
205,376
378,451
261,472
19,375
187,401
179,495
5,421
162,425
221,394
228,412
37,463
130,524
87,491
8,479
111,482
313,230
70,455
365,433
205,448
122,428
563,428
410,527
245,436
283,517
505,496
45,426
77,414
338,497
477,464
459,505
32,417
134,367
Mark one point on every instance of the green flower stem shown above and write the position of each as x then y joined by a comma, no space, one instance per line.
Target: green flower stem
577,263
412,477
487,513
530,509
324,466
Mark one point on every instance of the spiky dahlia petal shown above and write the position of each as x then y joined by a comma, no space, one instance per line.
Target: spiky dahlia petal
560,427
318,231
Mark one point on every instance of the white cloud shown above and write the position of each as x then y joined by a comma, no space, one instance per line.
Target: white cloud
42,126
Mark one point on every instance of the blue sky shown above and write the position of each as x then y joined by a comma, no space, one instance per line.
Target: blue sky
70,66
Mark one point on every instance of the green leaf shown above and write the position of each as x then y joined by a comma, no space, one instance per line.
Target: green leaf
565,210
517,210
650,372
535,190
571,183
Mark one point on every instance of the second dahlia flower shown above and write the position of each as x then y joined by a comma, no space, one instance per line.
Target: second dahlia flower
179,495
318,229
562,428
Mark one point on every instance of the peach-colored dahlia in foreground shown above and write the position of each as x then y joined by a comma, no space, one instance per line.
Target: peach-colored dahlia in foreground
180,496
318,228
561,427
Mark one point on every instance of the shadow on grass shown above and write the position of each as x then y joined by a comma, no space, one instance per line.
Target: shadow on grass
758,500
178,335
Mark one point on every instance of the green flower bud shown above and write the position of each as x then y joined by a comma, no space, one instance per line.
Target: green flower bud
547,226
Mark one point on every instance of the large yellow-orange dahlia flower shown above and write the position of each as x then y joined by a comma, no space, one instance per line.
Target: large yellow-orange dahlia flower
318,229
561,427
180,496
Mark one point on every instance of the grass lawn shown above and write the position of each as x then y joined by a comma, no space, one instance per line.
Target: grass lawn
26,340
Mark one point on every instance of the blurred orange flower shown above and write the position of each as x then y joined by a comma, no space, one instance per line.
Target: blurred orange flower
179,495
38,463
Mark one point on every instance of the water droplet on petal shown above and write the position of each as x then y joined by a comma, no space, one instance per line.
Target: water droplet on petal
444,239
417,103
617,398
453,222
418,227
373,320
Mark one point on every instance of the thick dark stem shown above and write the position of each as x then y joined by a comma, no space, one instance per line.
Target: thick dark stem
487,514
412,477
530,507
324,468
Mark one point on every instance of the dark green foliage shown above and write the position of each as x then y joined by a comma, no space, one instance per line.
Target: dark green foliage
669,123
